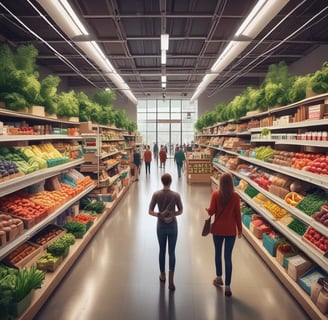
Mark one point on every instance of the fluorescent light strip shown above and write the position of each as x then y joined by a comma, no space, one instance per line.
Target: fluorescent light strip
260,16
164,42
163,57
73,16
163,79
58,11
250,17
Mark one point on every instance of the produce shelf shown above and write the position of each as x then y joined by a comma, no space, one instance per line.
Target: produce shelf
29,233
310,177
36,137
294,211
53,279
294,288
12,185
312,253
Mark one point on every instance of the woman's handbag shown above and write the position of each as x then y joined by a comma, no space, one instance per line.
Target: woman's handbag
207,227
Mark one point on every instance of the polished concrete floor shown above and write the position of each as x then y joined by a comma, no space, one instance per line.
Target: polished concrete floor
116,277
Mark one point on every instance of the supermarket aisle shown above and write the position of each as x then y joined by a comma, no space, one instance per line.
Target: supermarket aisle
116,278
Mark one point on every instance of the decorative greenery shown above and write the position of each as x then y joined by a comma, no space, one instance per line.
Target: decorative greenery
206,120
48,92
297,91
68,104
277,84
319,81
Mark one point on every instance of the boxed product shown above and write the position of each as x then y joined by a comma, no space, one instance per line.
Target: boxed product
306,280
285,250
316,112
270,242
297,266
319,294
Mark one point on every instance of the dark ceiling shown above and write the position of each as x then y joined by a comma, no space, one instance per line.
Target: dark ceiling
129,31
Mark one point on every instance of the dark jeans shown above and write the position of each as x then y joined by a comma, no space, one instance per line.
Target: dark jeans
166,235
147,166
179,166
229,242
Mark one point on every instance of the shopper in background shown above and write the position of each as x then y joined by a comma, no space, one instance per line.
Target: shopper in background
136,163
225,206
167,202
162,157
179,158
155,151
147,159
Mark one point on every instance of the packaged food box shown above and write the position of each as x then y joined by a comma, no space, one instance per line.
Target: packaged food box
297,266
306,280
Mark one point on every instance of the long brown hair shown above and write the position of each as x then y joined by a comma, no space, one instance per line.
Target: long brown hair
226,188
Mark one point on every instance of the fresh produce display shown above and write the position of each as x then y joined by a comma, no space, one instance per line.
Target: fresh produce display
26,281
48,262
23,251
313,202
275,209
14,155
78,229
85,219
10,228
322,215
48,234
7,285
263,152
262,179
89,204
251,191
260,199
293,198
23,208
7,169
319,165
15,285
297,226
315,238
282,158
59,247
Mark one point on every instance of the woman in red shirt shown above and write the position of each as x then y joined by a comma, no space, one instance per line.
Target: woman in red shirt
225,205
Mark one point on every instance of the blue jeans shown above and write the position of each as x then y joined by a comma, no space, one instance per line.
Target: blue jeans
179,166
229,242
167,234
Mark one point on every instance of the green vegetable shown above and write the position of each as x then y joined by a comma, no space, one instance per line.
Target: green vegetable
26,281
58,248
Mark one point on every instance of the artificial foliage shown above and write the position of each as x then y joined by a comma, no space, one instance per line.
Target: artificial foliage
278,88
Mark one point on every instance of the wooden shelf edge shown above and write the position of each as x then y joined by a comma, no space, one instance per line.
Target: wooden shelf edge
292,286
53,279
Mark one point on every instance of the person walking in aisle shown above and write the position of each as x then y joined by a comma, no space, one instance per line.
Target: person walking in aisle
225,206
162,157
136,163
147,158
179,158
167,202
155,151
